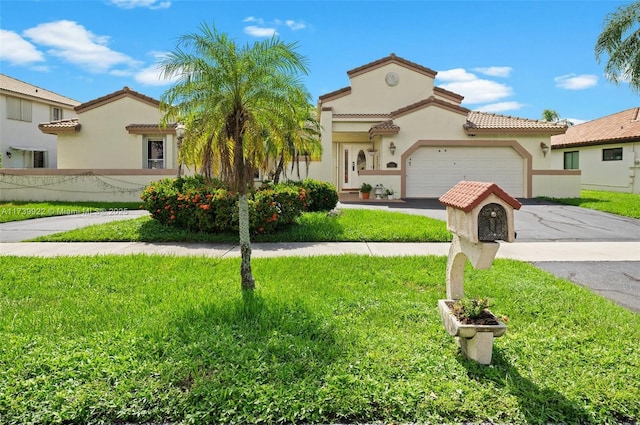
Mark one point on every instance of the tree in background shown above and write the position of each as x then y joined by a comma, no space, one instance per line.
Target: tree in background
620,41
236,103
551,115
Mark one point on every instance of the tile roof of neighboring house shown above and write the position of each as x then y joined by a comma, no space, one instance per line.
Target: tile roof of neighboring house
12,85
483,123
392,58
466,195
125,92
620,127
61,126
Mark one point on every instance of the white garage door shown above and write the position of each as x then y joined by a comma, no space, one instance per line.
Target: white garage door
431,171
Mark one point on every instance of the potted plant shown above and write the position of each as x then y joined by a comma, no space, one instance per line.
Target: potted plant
473,325
365,190
389,194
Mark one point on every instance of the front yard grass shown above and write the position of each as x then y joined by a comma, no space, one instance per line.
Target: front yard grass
348,226
625,204
346,339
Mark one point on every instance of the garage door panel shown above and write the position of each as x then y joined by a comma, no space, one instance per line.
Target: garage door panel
431,171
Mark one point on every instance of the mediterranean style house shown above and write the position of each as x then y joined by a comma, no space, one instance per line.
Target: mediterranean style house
22,107
392,127
118,131
606,150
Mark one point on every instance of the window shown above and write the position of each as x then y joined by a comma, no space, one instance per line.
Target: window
155,153
18,109
56,113
571,160
38,159
614,154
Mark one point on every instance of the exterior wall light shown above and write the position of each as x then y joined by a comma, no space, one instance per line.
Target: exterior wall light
392,148
544,148
8,154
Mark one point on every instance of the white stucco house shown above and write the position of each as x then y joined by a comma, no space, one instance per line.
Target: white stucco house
392,126
118,131
22,107
606,150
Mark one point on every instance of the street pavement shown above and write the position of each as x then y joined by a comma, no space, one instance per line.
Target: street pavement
597,250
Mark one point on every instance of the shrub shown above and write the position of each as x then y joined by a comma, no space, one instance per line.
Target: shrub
191,203
323,196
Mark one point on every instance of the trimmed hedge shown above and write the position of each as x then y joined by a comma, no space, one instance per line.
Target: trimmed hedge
193,204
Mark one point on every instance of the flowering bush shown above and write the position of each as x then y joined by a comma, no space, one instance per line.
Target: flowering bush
192,204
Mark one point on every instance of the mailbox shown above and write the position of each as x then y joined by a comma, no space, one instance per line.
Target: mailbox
480,212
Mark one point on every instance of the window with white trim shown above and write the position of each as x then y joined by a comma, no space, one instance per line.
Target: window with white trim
19,109
56,113
155,153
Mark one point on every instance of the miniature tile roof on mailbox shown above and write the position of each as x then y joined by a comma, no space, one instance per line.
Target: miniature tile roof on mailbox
466,195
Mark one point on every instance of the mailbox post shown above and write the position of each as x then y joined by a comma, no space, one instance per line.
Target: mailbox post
478,215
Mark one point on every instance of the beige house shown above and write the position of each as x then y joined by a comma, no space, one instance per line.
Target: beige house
22,107
606,150
392,127
117,131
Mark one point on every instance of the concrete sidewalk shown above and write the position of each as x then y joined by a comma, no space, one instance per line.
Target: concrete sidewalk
524,251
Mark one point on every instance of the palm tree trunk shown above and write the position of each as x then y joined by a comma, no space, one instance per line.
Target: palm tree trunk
248,283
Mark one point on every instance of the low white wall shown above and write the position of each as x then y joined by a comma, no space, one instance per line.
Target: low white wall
77,185
556,183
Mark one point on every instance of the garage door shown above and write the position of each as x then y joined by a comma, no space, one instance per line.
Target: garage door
431,171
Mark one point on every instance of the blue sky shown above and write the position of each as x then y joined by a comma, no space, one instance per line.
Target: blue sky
509,57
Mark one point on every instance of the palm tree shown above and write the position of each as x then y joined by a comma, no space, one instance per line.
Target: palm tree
620,40
233,100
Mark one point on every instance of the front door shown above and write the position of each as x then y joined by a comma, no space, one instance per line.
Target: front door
354,160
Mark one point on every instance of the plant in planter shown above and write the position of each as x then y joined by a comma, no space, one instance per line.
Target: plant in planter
474,326
365,190
389,193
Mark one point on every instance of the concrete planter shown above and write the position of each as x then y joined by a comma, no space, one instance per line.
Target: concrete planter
476,341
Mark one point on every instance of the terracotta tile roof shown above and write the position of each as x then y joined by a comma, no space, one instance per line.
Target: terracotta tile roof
125,92
60,126
384,127
620,127
12,85
431,100
480,122
151,128
392,58
466,195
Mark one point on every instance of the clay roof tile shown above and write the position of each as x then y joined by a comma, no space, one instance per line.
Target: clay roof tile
466,195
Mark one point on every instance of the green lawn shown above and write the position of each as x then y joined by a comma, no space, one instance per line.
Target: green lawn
350,225
328,339
625,204
15,211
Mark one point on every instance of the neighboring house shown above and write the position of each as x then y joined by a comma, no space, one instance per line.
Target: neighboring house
22,107
391,126
119,131
606,150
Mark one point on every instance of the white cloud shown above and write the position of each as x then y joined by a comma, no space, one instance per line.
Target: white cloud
294,25
17,50
576,82
501,107
260,31
152,75
269,29
495,71
151,4
75,44
457,74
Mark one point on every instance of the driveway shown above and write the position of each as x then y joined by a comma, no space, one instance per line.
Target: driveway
542,221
